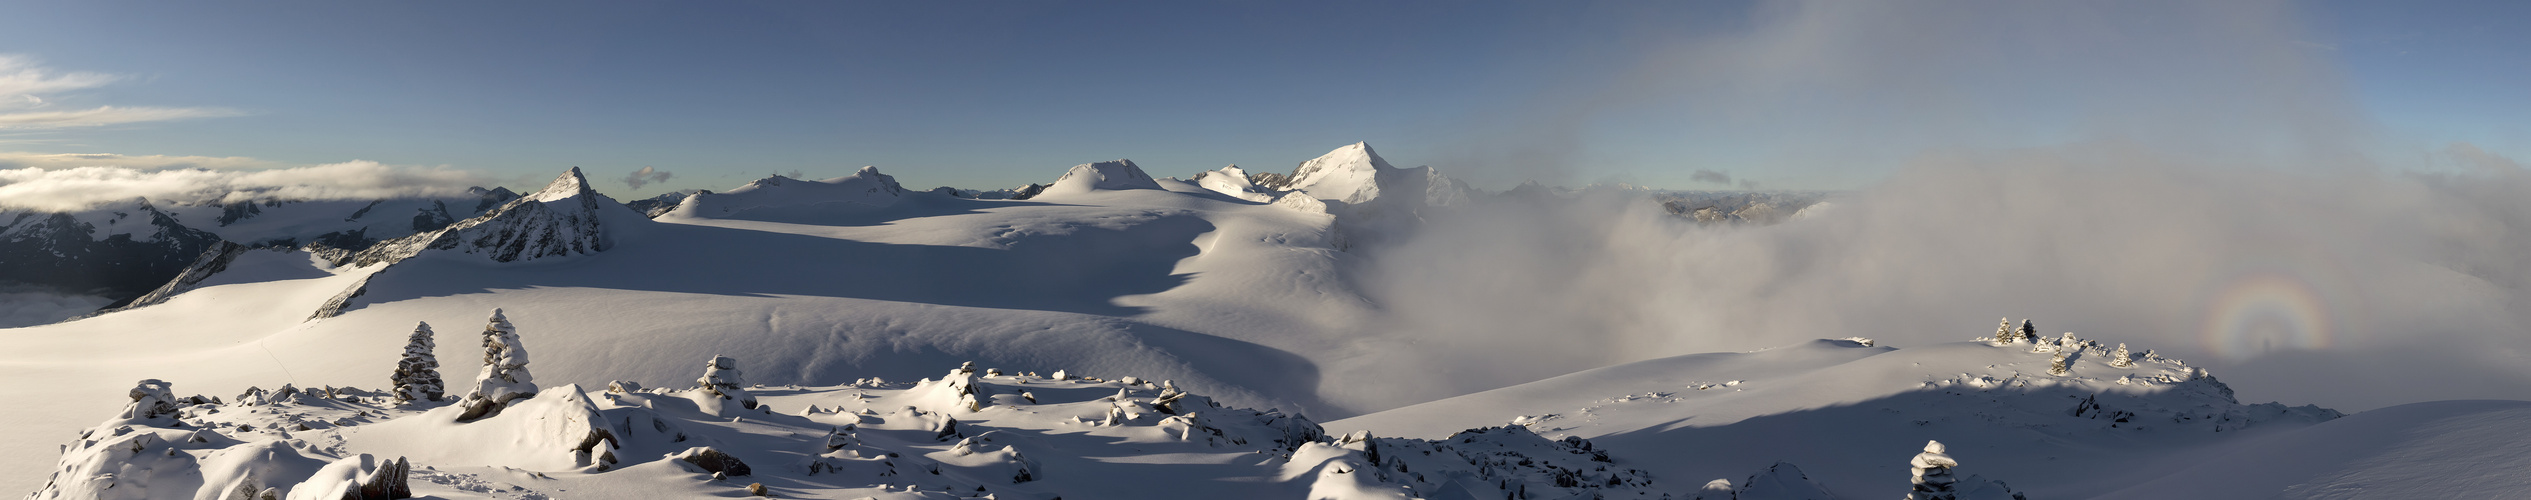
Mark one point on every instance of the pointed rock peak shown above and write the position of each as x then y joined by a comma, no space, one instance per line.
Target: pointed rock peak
570,184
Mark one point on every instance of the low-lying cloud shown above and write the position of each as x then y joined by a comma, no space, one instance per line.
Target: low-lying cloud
26,307
78,188
2353,289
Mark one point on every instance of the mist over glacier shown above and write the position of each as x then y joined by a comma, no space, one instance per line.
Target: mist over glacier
2352,290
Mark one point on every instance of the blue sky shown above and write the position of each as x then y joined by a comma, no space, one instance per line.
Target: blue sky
975,94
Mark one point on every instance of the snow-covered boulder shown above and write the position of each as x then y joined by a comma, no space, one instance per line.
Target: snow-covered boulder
504,377
722,378
416,376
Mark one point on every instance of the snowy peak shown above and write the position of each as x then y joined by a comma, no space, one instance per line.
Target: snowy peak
569,185
864,188
1349,174
1102,176
1356,175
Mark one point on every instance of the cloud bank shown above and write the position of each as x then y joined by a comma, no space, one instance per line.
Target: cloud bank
29,92
83,187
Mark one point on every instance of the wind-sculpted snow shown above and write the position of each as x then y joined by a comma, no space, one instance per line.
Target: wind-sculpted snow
973,433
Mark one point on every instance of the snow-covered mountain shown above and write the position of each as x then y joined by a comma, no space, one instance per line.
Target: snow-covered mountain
125,250
1356,175
565,218
1101,176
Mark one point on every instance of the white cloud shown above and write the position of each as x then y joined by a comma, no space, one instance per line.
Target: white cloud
105,115
24,103
81,187
20,76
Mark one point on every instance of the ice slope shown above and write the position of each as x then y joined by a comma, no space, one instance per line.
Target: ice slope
2442,449
1851,414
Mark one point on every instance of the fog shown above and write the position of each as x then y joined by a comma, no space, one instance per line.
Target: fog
2188,177
21,306
2353,290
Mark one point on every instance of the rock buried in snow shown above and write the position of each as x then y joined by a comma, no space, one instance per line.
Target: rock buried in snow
711,460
